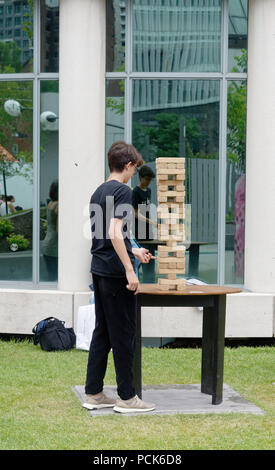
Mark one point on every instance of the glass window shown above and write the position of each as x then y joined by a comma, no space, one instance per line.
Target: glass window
114,115
49,50
8,8
176,117
180,118
176,36
49,181
21,257
235,187
16,181
237,31
17,8
12,58
115,35
8,22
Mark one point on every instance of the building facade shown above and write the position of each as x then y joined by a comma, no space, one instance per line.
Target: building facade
176,78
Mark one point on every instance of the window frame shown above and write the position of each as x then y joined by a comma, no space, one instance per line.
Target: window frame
223,76
36,76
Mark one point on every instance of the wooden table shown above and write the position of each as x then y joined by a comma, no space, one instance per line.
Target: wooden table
213,300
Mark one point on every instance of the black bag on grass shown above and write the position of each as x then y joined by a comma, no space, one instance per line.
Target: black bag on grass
52,335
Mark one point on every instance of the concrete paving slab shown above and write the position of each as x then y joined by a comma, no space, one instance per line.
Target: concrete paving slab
179,399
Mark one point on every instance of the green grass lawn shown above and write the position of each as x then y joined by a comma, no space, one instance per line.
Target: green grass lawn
39,410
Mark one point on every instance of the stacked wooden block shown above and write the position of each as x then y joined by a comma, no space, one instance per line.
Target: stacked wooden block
171,214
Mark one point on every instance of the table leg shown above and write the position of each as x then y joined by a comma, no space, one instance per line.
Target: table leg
137,356
213,349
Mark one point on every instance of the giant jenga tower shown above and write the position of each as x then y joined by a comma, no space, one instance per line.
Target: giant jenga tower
171,213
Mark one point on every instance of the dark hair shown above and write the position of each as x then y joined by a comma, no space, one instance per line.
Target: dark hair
146,171
9,198
120,154
53,193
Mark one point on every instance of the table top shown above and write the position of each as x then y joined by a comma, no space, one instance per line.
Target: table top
153,289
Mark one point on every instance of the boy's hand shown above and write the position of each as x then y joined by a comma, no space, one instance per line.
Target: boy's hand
133,282
144,255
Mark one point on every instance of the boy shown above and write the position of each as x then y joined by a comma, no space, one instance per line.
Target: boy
115,285
141,201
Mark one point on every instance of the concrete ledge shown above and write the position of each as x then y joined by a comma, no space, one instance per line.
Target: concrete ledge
20,309
179,399
248,315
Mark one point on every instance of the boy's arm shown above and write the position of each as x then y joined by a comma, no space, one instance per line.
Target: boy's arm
115,234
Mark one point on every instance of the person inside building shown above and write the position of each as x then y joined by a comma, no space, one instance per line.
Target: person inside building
115,285
141,200
9,205
49,246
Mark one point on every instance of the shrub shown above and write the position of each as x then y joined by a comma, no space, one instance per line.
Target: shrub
17,242
6,227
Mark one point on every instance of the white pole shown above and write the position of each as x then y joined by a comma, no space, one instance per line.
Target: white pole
260,169
81,133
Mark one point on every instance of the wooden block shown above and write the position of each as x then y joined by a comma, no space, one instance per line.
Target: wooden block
172,193
165,198
163,266
172,276
168,259
175,265
171,244
162,165
182,285
180,253
171,271
169,187
162,176
171,208
171,237
171,265
169,284
163,249
171,218
169,281
170,160
171,171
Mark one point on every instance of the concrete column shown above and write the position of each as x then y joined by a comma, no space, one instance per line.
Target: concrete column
81,133
260,171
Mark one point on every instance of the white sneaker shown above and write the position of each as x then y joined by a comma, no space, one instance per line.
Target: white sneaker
133,405
101,401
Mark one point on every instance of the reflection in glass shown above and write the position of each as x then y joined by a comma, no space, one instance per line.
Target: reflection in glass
16,181
180,118
237,30
180,36
16,36
235,188
49,35
114,115
115,35
49,181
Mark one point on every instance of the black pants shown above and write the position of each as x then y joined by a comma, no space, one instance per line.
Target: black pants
115,327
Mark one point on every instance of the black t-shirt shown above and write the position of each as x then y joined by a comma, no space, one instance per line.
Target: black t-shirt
111,199
141,200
